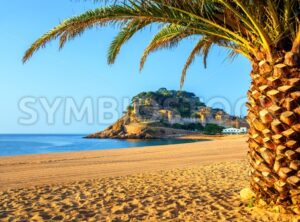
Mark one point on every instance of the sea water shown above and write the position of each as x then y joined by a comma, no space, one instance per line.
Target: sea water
25,144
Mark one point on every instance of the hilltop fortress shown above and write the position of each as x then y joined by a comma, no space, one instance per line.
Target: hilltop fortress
176,107
167,113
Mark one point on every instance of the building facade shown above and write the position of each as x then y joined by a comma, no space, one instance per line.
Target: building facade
233,130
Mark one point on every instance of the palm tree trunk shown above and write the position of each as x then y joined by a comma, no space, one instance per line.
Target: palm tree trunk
274,134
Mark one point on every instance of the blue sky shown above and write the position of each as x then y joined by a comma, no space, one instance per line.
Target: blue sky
80,70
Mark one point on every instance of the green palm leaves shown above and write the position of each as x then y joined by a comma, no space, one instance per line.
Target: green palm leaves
167,37
243,26
123,36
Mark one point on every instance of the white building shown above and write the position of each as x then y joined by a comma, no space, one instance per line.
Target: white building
232,130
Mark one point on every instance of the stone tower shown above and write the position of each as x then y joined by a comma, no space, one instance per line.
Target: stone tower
135,107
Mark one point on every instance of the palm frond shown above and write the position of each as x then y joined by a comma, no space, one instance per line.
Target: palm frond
167,37
196,51
202,48
123,36
75,26
245,27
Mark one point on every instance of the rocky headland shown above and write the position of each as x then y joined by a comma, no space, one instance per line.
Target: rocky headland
166,114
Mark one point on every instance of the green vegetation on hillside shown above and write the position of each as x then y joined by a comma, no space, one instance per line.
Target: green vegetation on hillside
180,101
212,129
178,110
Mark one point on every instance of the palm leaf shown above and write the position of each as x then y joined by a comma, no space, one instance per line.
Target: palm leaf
231,21
167,37
124,35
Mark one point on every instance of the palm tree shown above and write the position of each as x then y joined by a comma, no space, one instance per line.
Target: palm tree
267,32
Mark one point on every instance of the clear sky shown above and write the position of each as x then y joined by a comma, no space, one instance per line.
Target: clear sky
80,70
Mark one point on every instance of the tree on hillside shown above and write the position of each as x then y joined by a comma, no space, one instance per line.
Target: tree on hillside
266,32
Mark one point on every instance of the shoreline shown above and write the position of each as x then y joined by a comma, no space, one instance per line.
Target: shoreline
115,148
184,182
39,169
193,138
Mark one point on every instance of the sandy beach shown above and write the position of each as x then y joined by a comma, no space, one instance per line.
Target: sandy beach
186,182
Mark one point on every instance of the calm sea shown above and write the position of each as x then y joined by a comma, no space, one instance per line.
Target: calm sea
13,145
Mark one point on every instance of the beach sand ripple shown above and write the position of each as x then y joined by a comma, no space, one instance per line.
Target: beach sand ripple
206,193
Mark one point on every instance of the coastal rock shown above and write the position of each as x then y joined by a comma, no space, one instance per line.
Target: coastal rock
168,114
247,194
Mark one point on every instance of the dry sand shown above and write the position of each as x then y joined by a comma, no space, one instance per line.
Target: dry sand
24,171
186,182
